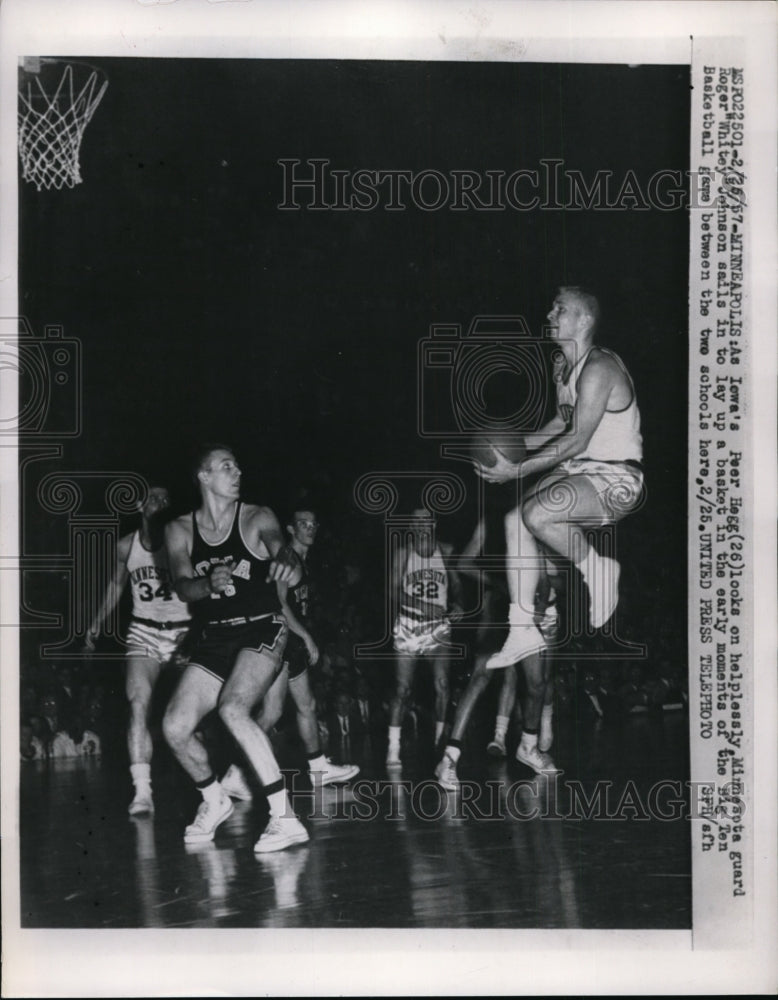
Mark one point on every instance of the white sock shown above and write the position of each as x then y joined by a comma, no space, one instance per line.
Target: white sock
394,737
279,804
529,741
438,730
318,763
601,575
587,567
141,774
453,753
213,794
517,615
501,727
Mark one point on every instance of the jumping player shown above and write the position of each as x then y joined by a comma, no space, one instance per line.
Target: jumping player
301,652
226,559
591,453
429,598
158,626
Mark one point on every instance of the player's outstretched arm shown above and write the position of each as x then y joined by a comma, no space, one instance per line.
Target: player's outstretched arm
285,566
112,593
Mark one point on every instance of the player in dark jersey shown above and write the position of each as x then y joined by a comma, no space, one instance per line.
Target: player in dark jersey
158,626
226,559
301,652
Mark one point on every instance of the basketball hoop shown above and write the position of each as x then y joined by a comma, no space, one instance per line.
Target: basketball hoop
56,102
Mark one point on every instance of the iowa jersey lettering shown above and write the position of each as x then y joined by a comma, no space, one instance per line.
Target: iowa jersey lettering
300,595
242,570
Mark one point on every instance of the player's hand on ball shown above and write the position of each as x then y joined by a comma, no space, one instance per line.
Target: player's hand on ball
221,577
501,472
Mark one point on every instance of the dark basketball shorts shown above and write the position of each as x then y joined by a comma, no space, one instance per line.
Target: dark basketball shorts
217,647
296,656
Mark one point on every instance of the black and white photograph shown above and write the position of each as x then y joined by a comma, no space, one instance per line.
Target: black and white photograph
388,498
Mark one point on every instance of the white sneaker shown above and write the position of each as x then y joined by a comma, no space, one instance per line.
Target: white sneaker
536,759
522,641
393,757
281,832
235,785
497,747
208,818
334,774
446,773
142,803
546,735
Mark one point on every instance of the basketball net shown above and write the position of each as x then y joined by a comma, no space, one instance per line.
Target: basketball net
53,114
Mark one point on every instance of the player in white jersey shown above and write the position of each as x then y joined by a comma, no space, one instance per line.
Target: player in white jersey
158,626
429,598
591,453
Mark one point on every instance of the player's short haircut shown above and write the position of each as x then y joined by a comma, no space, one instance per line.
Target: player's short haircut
587,300
299,508
152,483
204,452
155,484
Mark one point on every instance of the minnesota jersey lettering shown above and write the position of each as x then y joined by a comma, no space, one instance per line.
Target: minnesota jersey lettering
422,626
425,588
153,596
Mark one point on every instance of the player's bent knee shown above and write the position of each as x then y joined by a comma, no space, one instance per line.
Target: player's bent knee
534,516
138,692
233,713
175,730
307,708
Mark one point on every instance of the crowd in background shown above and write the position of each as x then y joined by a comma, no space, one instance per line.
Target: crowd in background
76,707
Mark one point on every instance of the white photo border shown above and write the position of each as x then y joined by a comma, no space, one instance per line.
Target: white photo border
382,962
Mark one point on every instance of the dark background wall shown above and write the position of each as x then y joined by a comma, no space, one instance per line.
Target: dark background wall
206,313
